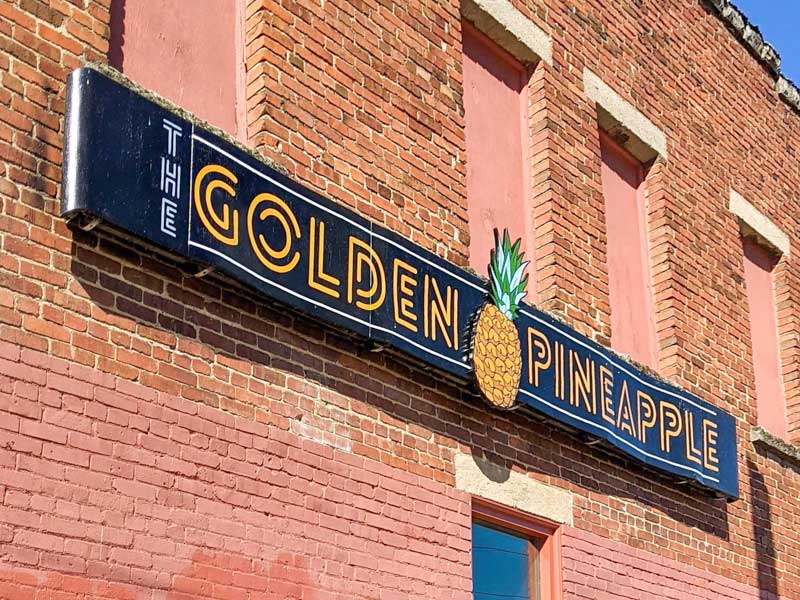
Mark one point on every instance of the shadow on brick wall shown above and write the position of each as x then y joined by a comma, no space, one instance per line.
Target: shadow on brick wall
116,41
762,535
230,321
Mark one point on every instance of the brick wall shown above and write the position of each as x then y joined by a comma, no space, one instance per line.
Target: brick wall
166,434
111,489
597,569
363,103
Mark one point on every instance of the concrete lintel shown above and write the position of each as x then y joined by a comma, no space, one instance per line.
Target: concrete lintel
754,222
485,479
510,29
760,436
623,121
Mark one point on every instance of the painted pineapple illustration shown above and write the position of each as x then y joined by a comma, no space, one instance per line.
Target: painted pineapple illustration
496,354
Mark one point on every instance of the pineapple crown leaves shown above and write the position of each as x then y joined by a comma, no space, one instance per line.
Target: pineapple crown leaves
506,270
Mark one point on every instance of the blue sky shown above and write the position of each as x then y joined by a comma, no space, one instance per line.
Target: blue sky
779,23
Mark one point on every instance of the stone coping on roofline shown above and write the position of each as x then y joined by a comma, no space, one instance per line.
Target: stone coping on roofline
749,35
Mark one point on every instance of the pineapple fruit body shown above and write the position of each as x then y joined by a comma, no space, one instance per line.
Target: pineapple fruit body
497,357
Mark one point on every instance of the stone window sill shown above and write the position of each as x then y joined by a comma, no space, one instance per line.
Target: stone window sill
761,437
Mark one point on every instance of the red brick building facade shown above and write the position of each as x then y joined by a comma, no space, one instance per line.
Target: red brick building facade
168,436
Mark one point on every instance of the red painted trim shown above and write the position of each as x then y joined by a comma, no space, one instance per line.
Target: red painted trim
551,567
633,326
241,73
547,533
621,151
491,73
759,265
493,47
529,228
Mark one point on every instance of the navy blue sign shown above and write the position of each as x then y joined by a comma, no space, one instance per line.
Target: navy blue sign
578,382
141,168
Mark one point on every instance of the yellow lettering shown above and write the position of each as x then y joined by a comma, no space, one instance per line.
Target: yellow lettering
558,379
625,414
205,208
671,424
360,254
556,370
647,414
280,211
404,284
425,308
692,453
582,382
539,355
606,391
444,314
710,458
318,279
571,372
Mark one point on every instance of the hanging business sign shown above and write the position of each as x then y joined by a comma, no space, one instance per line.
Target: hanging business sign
138,167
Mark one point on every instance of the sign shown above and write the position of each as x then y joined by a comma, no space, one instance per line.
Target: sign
140,168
